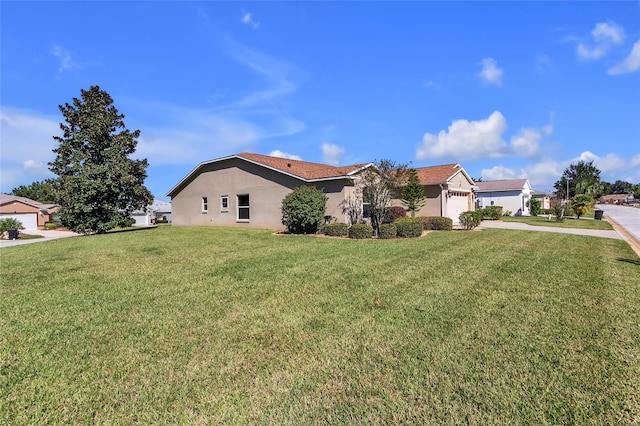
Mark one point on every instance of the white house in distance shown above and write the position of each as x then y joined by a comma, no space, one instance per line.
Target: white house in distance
511,194
159,210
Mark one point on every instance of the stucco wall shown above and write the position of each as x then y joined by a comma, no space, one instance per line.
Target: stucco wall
18,207
509,200
266,189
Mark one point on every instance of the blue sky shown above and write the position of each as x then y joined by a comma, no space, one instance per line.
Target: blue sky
506,89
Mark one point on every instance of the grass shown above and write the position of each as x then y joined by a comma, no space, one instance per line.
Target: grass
213,325
568,222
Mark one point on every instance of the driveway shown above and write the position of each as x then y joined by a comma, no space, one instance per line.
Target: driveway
48,236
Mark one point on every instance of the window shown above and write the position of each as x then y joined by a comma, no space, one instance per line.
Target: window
243,207
224,203
366,210
205,205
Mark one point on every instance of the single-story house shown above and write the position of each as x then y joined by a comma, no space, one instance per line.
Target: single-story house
615,198
511,194
448,189
32,214
545,199
247,190
158,210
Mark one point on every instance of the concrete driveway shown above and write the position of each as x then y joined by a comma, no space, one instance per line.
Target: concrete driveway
48,236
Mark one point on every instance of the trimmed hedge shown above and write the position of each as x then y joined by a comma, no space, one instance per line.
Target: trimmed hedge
492,212
437,223
360,231
336,229
388,231
470,219
409,227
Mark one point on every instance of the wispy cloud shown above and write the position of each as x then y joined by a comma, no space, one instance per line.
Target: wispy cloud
248,19
280,154
491,74
604,36
630,64
65,61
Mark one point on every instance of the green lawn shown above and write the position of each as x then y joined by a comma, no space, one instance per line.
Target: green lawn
569,222
221,326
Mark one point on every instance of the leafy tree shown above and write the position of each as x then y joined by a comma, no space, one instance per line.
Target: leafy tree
621,187
582,204
636,190
379,186
413,197
583,178
607,188
534,206
558,207
98,185
41,192
303,210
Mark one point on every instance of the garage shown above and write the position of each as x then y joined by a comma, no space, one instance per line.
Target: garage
28,220
457,202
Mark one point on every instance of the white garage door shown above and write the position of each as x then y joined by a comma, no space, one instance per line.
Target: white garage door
457,203
29,220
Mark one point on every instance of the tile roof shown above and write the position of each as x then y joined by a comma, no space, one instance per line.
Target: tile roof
302,169
501,185
437,174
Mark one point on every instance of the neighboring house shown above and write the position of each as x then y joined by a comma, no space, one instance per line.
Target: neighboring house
512,195
158,210
247,190
545,199
614,198
32,214
448,190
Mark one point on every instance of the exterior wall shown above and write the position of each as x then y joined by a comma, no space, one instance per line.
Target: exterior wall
266,189
433,202
18,207
513,201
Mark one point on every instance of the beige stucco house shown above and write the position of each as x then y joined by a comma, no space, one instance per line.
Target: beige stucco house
449,191
247,190
32,214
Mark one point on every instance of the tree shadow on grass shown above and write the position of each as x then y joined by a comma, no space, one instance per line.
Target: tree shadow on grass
137,228
632,261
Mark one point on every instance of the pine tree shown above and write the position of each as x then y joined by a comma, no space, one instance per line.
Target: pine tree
413,197
98,184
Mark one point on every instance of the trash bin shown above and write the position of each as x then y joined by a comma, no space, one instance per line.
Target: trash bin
598,214
13,233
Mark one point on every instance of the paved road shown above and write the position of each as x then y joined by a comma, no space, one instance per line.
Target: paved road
48,236
626,217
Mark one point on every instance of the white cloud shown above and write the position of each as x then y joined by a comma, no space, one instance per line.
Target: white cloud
491,74
247,18
605,35
280,154
467,140
526,143
605,32
64,58
332,154
630,64
500,173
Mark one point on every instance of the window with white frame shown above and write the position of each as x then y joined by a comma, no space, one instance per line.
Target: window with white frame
224,203
205,205
243,207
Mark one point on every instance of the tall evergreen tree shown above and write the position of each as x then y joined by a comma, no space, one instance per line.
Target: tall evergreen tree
413,197
98,184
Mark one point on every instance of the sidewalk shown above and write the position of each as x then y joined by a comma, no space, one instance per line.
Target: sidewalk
525,227
47,236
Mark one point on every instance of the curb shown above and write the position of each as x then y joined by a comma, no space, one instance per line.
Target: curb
628,237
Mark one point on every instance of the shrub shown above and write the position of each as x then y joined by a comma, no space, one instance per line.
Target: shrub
303,210
470,219
10,223
534,206
336,229
492,212
409,227
394,213
581,205
437,223
360,231
52,225
388,231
